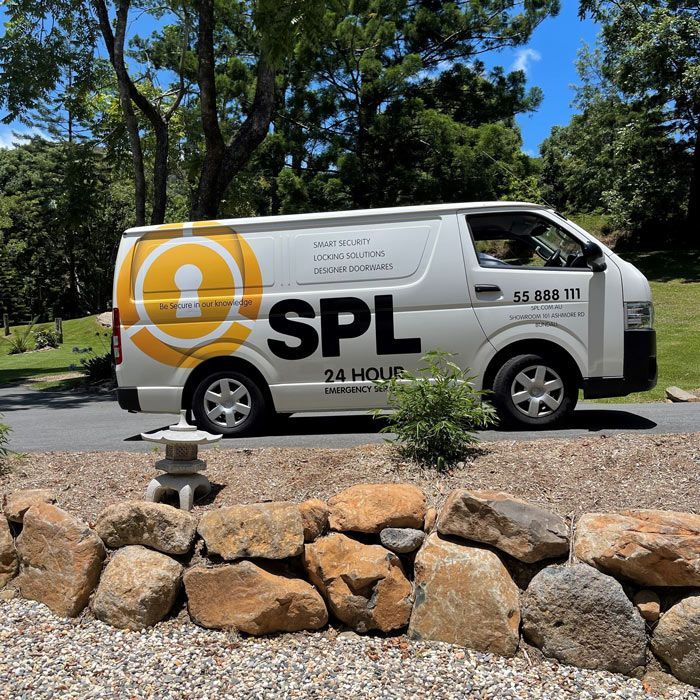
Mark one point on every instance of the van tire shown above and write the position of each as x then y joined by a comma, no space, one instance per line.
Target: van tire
227,416
534,391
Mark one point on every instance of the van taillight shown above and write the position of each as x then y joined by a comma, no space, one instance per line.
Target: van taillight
116,337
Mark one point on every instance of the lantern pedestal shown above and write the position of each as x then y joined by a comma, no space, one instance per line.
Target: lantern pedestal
182,469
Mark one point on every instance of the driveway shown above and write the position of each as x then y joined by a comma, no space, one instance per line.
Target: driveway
77,422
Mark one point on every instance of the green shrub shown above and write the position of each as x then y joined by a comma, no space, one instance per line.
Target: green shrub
98,367
4,439
20,341
45,338
436,411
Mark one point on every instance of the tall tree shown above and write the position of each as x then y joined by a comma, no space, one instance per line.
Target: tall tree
264,30
158,111
618,155
371,51
652,49
45,40
63,208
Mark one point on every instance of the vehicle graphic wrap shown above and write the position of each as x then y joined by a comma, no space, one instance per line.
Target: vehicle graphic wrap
209,277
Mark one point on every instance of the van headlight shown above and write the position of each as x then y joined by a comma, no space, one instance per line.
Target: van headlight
639,315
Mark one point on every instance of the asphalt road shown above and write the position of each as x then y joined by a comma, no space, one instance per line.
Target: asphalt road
77,422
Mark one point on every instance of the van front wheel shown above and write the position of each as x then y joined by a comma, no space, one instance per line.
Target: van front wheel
534,391
228,403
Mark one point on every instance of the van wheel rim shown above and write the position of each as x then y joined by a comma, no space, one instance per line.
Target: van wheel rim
537,391
227,403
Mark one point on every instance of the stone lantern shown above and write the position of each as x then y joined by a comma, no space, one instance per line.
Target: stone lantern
182,469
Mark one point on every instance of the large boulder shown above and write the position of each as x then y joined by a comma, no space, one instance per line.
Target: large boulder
60,559
676,640
245,597
314,518
364,584
582,617
137,589
465,596
651,547
18,503
155,525
8,555
268,530
523,530
373,507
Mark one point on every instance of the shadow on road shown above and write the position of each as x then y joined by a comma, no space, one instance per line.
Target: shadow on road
583,419
594,419
16,397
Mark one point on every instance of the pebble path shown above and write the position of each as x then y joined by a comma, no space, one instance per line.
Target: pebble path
44,656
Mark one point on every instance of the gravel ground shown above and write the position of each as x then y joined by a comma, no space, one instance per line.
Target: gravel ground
570,476
47,657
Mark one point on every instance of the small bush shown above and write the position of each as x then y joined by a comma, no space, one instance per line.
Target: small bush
97,367
20,341
4,439
45,338
436,410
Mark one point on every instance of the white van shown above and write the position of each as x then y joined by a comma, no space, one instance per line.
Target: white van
237,319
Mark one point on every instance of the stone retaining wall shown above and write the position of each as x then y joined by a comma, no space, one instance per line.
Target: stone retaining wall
486,572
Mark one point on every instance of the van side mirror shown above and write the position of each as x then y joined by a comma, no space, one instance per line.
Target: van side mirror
594,256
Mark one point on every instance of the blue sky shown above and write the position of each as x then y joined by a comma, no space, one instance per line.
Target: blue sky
548,60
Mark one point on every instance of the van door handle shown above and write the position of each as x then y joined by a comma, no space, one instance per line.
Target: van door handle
487,288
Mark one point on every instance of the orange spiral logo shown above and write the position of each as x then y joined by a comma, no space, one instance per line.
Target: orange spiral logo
189,293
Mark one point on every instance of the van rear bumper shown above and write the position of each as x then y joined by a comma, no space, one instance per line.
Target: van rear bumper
150,399
128,398
639,369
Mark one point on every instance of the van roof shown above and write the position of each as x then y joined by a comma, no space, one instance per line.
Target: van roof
258,221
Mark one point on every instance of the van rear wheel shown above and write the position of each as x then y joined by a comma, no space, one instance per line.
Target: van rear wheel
534,391
229,403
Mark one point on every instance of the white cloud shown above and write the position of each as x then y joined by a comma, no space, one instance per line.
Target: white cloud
523,58
10,136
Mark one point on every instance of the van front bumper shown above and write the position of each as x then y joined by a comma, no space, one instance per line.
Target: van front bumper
639,369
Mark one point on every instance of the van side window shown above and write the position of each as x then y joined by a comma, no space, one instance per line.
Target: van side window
514,239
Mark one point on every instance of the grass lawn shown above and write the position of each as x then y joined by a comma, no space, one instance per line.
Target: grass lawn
674,277
80,332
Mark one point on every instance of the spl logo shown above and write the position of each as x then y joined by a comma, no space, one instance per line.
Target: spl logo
188,294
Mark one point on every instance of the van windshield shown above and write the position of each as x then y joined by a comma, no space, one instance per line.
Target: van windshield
513,239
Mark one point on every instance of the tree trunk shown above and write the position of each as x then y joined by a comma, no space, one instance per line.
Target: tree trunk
223,162
160,172
115,49
694,196
129,96
253,130
206,203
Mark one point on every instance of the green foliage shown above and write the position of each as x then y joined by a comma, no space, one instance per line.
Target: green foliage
619,157
76,332
97,367
647,76
436,410
4,439
20,341
65,210
45,338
